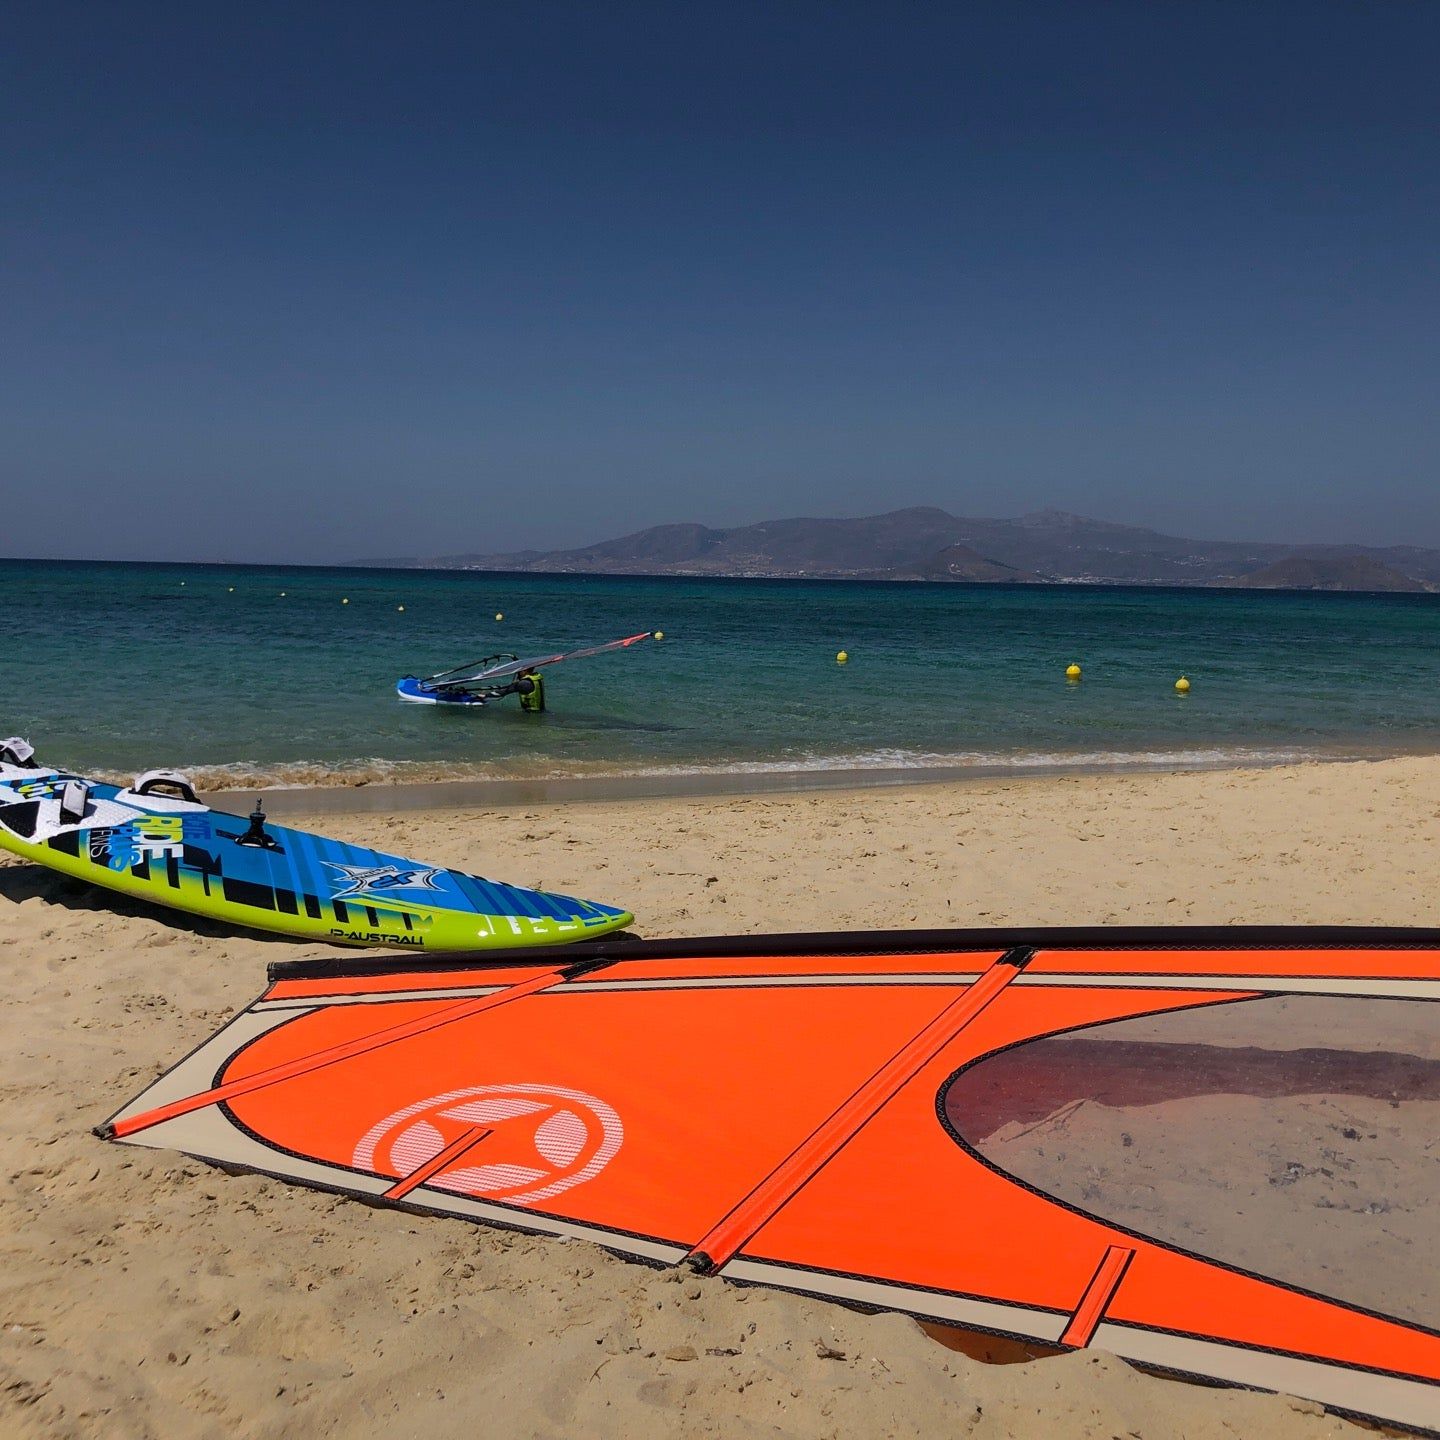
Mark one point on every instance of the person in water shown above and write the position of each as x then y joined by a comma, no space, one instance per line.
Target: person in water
531,689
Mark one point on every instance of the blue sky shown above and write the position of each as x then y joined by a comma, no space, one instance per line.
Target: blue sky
318,282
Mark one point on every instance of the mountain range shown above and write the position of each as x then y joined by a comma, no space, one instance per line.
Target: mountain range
924,543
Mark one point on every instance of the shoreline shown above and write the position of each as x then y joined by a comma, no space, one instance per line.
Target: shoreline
375,797
1226,584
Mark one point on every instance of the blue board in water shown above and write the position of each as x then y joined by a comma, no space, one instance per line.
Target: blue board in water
413,690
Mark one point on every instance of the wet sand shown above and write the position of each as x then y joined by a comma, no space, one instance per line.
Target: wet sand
384,792
145,1294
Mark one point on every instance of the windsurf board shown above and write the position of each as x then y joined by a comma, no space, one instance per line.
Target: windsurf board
156,841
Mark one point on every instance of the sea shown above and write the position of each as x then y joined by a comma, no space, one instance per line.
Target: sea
286,676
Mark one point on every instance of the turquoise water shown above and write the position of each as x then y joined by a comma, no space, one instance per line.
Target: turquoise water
120,667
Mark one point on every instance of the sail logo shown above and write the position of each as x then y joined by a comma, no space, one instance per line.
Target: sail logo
519,1144
381,879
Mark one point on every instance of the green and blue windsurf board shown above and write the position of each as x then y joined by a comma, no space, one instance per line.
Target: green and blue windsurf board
156,841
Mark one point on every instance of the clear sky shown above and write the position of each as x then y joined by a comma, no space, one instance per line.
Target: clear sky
312,282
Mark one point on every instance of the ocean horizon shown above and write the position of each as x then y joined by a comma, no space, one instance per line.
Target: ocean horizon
284,675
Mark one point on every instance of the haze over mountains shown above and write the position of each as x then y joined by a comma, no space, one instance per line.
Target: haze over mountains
924,543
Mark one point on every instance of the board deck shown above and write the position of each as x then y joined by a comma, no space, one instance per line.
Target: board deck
185,855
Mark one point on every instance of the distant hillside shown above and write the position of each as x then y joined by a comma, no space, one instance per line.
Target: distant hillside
960,562
923,543
1329,572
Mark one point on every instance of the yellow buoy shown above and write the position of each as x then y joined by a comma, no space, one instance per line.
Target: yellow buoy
659,634
232,589
842,657
1182,685
499,614
1072,672
282,594
346,600
400,608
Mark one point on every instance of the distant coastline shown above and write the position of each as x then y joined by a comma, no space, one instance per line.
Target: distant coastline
1049,547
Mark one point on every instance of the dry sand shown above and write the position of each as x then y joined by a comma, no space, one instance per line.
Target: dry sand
143,1295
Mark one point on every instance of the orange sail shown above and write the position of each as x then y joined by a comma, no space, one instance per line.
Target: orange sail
806,1112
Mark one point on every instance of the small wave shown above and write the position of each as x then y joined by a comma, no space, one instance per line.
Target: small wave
1215,758
306,774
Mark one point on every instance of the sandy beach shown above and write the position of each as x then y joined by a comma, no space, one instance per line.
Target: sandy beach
149,1295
